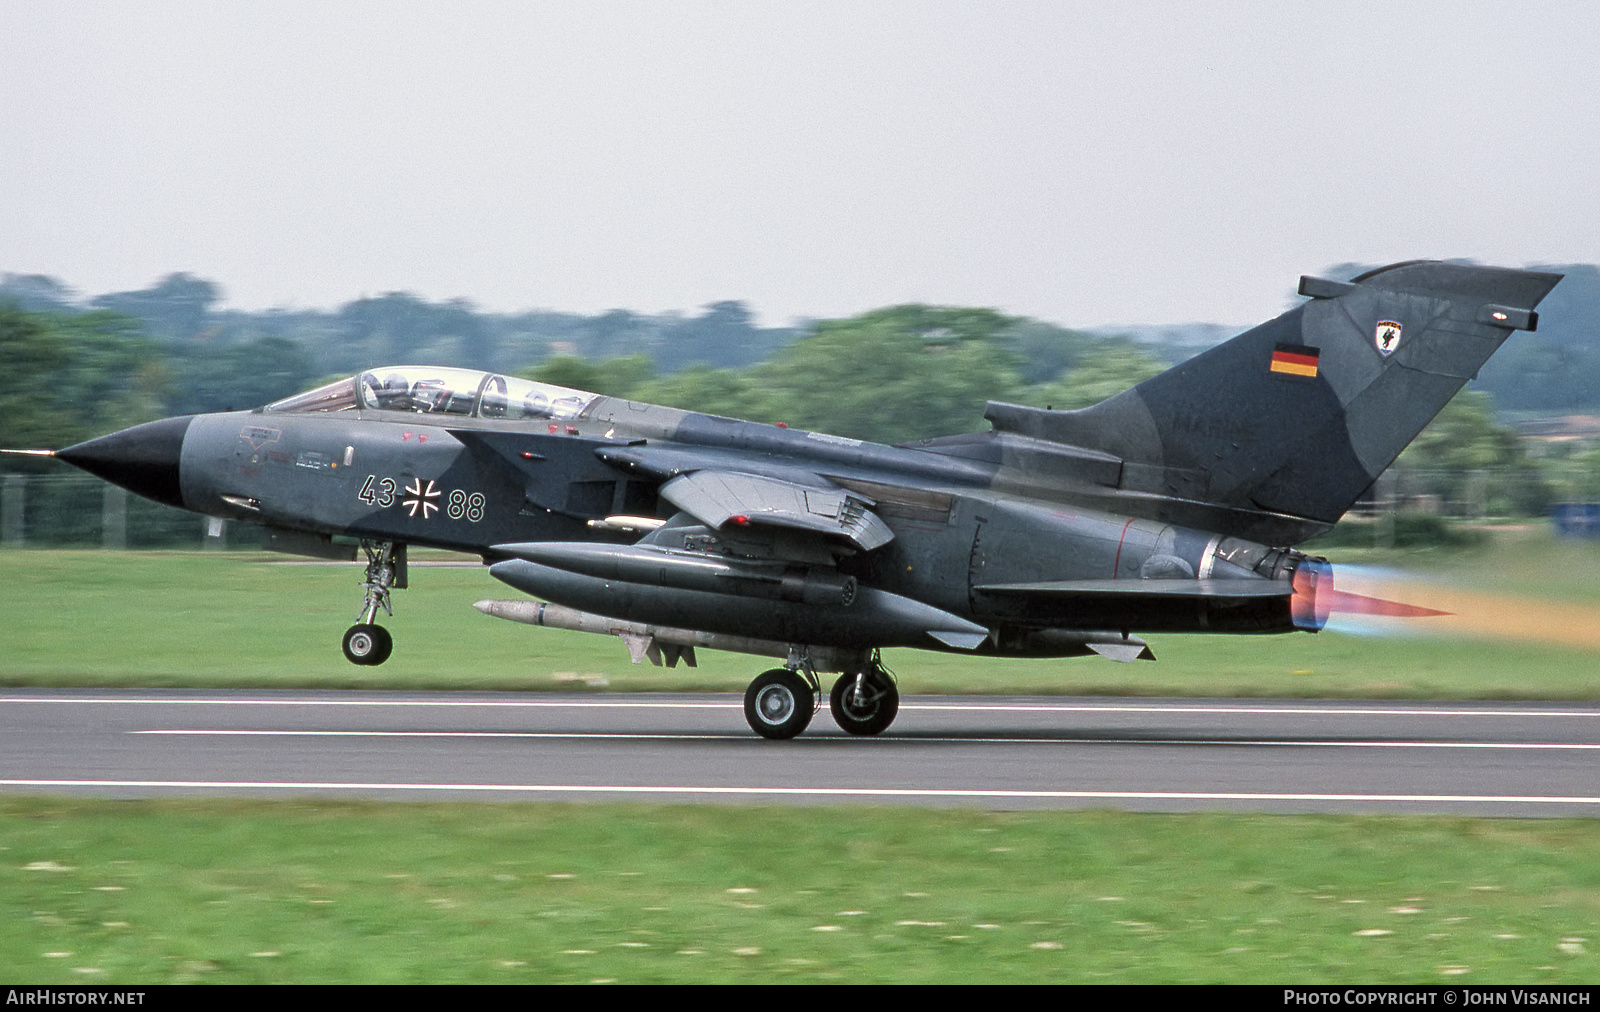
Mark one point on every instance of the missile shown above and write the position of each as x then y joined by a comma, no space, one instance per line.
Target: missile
657,641
874,618
690,571
654,641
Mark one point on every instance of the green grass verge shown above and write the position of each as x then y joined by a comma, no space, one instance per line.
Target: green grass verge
153,892
199,619
255,891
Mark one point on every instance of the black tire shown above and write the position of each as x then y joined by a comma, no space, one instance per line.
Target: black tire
367,644
779,704
869,718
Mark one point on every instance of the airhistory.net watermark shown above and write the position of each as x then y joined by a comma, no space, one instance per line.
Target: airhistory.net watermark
71,996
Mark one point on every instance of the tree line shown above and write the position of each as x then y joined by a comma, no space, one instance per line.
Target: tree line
898,374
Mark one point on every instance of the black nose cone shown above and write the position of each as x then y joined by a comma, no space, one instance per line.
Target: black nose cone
143,459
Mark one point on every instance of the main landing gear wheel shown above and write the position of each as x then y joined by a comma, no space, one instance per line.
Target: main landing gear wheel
864,702
779,704
365,643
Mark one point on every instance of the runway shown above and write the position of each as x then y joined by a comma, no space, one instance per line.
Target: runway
1503,759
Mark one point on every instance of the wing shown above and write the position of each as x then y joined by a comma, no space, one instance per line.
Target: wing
716,498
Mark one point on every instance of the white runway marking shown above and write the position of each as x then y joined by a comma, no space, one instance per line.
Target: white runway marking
203,732
734,704
655,736
1339,711
865,792
445,703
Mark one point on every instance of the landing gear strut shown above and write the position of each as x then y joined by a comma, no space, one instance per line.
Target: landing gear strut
367,642
865,701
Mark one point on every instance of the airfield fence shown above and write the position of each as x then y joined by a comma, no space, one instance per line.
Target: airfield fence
80,511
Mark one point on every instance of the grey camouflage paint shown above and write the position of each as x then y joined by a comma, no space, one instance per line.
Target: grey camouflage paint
1173,506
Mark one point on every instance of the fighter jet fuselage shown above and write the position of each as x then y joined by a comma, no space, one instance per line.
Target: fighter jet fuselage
1173,507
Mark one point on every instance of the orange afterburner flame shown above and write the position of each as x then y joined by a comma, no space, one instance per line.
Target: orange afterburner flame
1359,604
1461,613
1315,599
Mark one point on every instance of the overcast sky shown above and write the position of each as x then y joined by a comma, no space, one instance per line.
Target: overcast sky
1081,163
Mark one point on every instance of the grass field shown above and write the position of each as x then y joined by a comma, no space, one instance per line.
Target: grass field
303,891
1527,626
157,892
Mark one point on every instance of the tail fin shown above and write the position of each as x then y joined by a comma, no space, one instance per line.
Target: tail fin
1301,414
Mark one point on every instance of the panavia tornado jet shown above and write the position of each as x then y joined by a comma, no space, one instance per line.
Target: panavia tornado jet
1174,506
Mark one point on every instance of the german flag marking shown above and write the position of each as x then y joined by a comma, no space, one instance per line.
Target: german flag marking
1295,360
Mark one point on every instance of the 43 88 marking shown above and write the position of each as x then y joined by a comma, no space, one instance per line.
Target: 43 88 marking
419,496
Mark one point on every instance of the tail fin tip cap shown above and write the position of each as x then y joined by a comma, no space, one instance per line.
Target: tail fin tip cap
1323,288
1509,317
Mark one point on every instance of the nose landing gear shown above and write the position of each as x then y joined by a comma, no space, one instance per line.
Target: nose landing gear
367,642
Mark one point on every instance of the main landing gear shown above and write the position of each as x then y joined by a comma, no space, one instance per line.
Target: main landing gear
865,701
780,703
367,642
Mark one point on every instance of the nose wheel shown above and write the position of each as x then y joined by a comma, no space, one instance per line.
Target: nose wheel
365,643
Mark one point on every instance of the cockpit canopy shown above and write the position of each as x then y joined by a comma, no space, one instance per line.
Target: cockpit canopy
431,390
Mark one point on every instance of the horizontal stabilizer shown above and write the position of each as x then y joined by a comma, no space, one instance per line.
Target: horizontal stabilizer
1218,588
